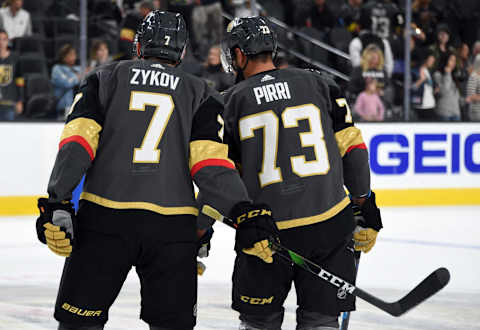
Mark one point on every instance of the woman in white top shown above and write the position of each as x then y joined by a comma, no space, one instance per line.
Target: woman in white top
423,88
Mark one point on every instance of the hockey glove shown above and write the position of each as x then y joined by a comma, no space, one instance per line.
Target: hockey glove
204,243
200,268
369,223
55,226
256,228
203,249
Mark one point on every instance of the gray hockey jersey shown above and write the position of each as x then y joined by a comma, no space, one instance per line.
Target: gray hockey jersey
141,131
292,134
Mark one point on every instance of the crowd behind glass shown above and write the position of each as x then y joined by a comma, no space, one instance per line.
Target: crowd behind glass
39,82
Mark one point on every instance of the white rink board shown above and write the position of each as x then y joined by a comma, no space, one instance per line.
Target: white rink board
28,154
29,150
413,243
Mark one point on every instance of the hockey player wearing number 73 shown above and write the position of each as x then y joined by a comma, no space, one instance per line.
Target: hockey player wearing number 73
141,131
292,134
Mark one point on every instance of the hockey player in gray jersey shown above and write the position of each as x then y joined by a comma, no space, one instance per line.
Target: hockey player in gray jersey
141,131
292,135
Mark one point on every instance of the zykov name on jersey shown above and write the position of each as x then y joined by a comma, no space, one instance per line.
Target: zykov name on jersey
153,78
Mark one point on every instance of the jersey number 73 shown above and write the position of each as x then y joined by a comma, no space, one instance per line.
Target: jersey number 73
268,121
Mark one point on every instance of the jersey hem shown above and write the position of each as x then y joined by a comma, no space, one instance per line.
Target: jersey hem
175,210
316,218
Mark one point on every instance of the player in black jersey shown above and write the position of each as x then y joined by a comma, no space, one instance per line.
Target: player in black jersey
291,133
386,17
142,131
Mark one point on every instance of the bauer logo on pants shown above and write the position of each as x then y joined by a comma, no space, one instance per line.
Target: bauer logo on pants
80,311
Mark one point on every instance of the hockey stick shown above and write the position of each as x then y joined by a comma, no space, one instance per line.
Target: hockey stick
428,287
346,315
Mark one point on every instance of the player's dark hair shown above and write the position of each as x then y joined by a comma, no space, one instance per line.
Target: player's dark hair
3,31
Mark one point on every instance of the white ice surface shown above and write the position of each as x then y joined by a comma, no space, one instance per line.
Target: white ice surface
413,243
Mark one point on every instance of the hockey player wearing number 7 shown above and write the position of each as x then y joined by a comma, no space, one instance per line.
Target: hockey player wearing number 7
292,135
141,131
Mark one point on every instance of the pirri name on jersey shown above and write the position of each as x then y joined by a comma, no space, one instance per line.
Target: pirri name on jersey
154,78
272,92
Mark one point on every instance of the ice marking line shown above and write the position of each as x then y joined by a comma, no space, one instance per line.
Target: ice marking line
412,241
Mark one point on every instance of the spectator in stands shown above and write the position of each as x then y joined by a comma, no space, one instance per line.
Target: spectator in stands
448,97
146,7
425,16
369,106
350,14
11,84
65,78
241,8
129,28
99,54
104,17
423,88
160,4
475,51
442,47
208,21
190,64
461,74
473,91
364,39
386,17
15,20
213,72
462,17
372,67
320,16
185,7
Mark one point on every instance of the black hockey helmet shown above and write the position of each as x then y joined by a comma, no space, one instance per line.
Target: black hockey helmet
162,34
252,35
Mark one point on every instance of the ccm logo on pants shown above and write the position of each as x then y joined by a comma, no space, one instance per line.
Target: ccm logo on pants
256,301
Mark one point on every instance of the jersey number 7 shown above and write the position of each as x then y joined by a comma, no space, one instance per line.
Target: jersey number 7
163,103
268,121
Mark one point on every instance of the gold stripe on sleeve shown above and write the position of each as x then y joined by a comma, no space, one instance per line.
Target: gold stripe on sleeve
347,138
205,149
87,128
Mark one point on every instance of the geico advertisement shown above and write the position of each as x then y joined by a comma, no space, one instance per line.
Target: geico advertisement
433,155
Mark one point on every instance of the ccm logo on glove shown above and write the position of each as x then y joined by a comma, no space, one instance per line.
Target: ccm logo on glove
253,214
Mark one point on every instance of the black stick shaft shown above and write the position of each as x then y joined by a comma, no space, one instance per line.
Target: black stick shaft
346,315
428,287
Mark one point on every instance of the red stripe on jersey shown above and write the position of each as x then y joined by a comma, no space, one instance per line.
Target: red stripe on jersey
210,162
357,146
80,140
